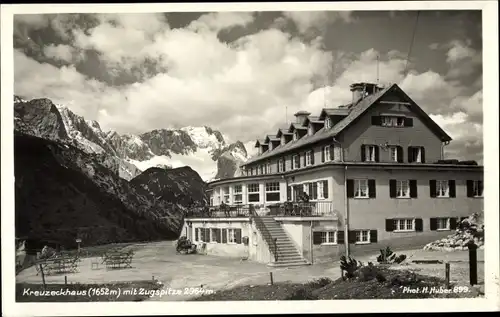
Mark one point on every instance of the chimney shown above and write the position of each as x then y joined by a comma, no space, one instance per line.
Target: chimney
301,116
361,90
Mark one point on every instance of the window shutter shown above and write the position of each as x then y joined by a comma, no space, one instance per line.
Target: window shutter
377,153
433,224
371,188
413,188
312,157
451,185
470,188
284,164
305,159
224,235
325,189
481,188
340,237
316,237
376,120
392,188
298,161
278,166
202,235
350,188
410,154
323,154
389,225
419,226
422,154
332,152
196,233
363,154
373,236
408,122
238,235
400,154
432,187
453,223
351,236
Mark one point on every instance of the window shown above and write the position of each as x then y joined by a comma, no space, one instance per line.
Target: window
328,123
478,189
326,154
214,235
237,194
225,191
261,169
442,189
231,235
310,129
369,153
296,135
404,224
296,161
328,237
309,159
474,188
312,190
388,121
443,223
253,193
283,165
416,154
280,165
403,189
323,189
394,153
273,191
361,188
363,236
297,191
268,168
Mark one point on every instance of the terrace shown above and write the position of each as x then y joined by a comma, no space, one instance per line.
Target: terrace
287,209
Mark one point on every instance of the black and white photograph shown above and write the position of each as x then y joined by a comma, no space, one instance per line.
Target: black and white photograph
281,153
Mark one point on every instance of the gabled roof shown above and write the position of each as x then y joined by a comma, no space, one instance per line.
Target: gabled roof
354,113
333,112
313,119
296,126
282,130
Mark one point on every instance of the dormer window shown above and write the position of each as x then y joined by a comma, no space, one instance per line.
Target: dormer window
328,123
310,129
283,140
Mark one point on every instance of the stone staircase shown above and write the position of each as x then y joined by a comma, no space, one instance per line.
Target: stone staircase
284,251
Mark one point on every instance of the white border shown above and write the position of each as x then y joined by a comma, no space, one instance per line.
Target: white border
490,99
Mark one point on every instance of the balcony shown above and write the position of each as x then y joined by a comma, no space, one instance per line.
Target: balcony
288,209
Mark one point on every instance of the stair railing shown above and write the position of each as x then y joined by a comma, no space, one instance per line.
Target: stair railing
272,243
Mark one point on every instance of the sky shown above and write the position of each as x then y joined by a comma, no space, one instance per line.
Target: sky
246,73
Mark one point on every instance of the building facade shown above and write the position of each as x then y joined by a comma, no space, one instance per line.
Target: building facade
374,172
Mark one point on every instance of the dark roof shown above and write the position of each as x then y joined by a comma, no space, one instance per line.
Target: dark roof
259,143
283,130
296,126
334,112
323,134
354,113
369,165
313,119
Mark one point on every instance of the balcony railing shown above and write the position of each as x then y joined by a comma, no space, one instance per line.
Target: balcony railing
222,211
302,209
288,209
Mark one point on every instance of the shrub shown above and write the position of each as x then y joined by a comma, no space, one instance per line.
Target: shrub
387,257
319,283
349,266
302,294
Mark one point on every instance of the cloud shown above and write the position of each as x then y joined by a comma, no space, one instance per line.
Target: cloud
316,20
246,88
218,21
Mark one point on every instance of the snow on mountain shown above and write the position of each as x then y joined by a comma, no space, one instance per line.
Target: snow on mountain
203,149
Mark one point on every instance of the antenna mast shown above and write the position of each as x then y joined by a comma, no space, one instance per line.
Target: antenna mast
377,70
